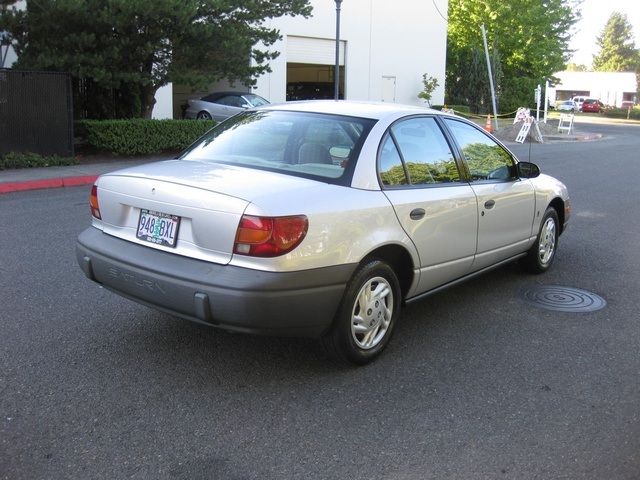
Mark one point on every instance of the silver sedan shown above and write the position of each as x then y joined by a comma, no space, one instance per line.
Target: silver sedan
568,106
320,219
222,105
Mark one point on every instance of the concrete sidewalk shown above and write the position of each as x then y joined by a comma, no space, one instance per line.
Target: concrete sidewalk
56,177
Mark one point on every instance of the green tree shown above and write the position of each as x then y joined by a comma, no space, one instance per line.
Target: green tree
134,47
617,48
574,67
429,84
533,36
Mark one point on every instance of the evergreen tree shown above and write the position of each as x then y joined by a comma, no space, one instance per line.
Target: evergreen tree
133,47
617,47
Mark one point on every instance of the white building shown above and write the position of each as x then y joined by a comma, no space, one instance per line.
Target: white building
611,88
385,49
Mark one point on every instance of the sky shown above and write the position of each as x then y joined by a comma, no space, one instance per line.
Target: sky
595,14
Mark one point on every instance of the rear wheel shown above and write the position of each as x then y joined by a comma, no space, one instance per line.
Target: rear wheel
203,116
367,315
543,251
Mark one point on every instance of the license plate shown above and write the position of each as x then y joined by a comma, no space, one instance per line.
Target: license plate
157,227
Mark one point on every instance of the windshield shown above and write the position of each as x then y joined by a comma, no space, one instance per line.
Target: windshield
256,100
297,143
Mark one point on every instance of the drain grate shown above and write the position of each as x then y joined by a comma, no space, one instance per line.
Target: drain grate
561,299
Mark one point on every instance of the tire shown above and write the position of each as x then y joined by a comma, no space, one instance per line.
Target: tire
543,251
367,315
203,116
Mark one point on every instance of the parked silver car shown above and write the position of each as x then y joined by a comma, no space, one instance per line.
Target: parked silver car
222,105
320,219
568,106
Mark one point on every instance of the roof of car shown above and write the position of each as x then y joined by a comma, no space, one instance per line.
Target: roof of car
374,110
215,95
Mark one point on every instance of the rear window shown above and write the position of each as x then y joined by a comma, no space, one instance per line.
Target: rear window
297,143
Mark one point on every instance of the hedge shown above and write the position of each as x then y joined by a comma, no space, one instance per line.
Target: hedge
626,113
139,136
33,160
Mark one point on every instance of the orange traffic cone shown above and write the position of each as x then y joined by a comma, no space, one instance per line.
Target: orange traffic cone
487,126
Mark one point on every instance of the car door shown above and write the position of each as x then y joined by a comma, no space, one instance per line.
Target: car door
506,203
438,211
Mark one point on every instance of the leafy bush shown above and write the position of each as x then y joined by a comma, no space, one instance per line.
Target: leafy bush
139,136
632,114
33,160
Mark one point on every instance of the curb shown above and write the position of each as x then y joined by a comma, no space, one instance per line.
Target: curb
48,183
595,136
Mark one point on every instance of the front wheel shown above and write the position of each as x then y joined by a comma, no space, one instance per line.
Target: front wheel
543,251
367,315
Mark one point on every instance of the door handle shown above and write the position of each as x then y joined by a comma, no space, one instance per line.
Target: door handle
417,213
489,204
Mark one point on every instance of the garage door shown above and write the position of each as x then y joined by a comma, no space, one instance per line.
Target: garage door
313,50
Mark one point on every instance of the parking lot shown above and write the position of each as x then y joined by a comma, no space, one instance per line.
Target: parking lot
478,382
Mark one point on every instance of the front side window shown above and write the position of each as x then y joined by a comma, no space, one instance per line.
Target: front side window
231,101
486,159
415,152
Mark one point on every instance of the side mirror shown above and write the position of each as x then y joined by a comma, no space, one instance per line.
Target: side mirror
528,170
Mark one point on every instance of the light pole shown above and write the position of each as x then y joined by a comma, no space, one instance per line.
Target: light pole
336,74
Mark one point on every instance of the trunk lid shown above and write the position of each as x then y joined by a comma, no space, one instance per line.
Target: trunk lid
207,199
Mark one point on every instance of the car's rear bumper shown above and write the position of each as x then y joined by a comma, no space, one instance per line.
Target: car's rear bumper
239,299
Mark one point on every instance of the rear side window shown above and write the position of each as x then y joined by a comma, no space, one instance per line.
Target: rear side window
415,152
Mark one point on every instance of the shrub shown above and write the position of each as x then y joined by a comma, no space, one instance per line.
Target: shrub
140,136
33,160
632,114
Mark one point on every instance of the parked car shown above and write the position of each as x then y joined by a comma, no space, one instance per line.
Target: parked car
627,104
579,100
320,219
593,105
568,106
222,105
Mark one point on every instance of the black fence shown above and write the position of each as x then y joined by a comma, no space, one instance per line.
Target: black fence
36,113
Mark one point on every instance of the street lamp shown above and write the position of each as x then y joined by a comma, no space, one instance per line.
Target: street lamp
336,74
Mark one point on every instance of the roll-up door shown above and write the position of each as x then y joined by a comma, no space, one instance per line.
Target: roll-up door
316,51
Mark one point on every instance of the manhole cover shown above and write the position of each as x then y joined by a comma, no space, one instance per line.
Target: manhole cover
561,299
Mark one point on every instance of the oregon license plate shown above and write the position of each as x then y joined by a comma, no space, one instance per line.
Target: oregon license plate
157,227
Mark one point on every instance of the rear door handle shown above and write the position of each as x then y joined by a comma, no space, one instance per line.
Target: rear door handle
417,214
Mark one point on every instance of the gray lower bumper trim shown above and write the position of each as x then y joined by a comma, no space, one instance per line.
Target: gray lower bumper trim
267,303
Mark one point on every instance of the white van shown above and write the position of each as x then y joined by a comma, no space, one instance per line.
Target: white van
579,101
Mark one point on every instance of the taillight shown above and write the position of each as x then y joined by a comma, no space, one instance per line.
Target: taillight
93,200
269,236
